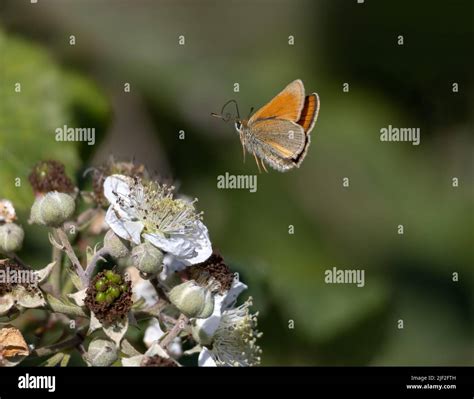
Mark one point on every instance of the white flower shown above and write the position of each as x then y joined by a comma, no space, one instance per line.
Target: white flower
149,210
221,302
228,336
234,341
23,293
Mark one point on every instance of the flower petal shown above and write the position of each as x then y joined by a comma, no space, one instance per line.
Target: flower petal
175,348
123,226
235,290
189,249
202,245
209,326
144,289
115,187
153,332
206,359
177,245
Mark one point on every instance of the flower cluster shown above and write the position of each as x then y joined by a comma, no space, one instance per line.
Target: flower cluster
140,254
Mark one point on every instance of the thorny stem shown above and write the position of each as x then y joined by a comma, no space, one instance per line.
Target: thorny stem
174,332
95,259
56,272
71,255
60,346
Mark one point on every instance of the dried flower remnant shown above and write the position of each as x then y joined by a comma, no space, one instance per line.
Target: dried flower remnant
49,176
158,361
13,347
109,297
213,270
19,286
101,173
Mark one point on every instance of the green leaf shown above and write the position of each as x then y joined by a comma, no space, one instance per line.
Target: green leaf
64,307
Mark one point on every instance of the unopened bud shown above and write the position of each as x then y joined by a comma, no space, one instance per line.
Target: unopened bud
116,247
11,237
148,259
52,209
101,353
192,299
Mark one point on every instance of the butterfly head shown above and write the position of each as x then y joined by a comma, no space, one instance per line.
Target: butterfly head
239,125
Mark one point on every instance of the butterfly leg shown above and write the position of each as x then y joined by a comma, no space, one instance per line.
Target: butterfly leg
264,167
243,145
258,165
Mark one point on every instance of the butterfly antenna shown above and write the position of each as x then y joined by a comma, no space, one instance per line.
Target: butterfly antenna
228,116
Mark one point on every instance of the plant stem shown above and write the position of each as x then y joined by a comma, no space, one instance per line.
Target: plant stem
177,328
72,255
66,344
56,273
95,259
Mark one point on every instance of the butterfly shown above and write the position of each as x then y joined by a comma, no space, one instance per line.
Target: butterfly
278,134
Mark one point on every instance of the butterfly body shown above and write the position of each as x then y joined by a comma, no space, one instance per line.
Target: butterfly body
263,150
279,133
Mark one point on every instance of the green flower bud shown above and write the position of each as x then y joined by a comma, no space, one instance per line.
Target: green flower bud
100,297
11,237
101,353
192,299
148,259
117,247
114,292
101,285
52,209
113,277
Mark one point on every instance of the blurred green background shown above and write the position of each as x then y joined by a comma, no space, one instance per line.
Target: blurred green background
175,88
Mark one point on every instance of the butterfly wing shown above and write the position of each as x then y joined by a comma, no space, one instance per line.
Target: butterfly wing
287,104
309,113
286,139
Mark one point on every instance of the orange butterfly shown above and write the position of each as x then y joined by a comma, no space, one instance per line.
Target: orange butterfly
278,133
